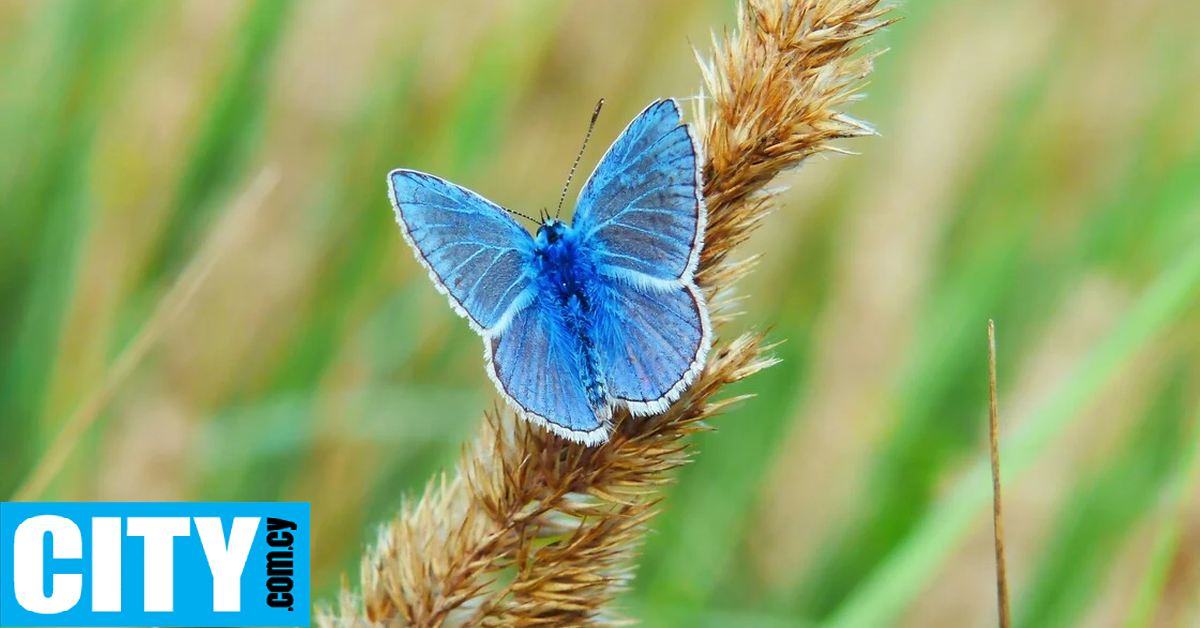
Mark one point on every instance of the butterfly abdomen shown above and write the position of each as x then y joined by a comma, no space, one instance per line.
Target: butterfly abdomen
589,367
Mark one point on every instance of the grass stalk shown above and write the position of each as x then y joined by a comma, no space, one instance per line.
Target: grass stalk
531,530
997,498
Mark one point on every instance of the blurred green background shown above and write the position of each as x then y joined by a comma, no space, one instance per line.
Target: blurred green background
1039,164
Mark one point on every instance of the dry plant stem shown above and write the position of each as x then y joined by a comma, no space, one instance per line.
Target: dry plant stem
534,531
167,310
997,502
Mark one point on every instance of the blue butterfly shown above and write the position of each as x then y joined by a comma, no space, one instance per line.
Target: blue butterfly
587,317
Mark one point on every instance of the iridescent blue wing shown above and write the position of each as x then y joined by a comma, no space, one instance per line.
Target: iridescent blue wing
535,362
476,254
641,218
652,343
641,211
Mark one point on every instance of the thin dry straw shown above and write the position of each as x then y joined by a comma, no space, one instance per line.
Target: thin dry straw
168,309
997,501
531,530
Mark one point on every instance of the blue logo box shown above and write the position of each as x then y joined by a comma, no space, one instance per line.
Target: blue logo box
154,564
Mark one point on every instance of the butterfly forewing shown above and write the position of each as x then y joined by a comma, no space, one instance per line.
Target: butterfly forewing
475,252
641,211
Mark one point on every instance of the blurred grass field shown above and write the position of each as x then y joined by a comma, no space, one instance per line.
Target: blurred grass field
1039,163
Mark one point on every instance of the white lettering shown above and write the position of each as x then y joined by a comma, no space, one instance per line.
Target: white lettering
226,563
28,570
159,533
106,564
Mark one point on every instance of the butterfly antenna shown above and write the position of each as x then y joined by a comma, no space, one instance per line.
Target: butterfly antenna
592,125
517,213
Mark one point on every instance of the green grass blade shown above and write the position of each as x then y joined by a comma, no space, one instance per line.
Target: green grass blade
228,134
1166,544
898,582
1101,513
46,213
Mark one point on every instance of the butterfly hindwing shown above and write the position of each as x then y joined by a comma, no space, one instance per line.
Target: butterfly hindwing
652,343
641,211
535,362
475,252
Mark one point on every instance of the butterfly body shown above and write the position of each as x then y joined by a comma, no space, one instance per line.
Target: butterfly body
587,317
566,272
